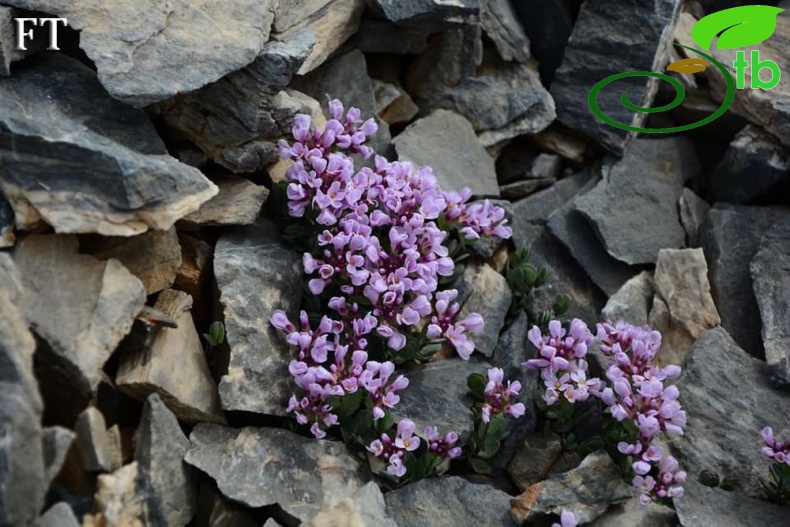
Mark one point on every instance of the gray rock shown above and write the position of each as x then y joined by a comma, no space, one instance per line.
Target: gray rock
66,145
346,78
237,120
453,55
548,25
586,490
632,512
256,274
523,189
23,478
7,236
172,363
633,302
604,30
8,51
446,142
428,15
772,287
637,216
546,166
754,166
538,207
59,515
99,449
393,104
499,22
727,397
146,53
381,36
538,457
701,505
730,237
264,466
490,297
239,202
214,510
438,396
161,447
81,307
449,501
55,443
693,211
565,142
125,497
154,256
365,509
570,227
683,292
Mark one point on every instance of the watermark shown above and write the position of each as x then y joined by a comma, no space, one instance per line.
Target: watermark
22,33
737,27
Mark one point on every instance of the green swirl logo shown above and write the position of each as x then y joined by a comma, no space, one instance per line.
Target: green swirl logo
737,27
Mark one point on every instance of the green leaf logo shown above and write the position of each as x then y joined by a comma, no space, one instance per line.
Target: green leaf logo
742,26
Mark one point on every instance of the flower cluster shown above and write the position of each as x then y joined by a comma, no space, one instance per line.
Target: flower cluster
567,519
777,450
393,450
498,396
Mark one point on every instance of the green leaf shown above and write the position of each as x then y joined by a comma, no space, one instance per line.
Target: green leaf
742,26
709,478
216,333
480,466
477,384
729,482
497,428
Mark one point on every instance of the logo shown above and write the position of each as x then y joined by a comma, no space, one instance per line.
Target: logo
737,27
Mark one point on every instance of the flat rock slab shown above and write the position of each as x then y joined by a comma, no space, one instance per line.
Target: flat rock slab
701,505
365,509
449,501
632,513
612,37
727,397
490,297
446,142
538,207
239,202
149,51
257,274
634,208
84,162
429,15
772,289
632,302
267,466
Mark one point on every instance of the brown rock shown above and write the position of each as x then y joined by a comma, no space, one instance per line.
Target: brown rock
124,499
99,448
195,259
238,203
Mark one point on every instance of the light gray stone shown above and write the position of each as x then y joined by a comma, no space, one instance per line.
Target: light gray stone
632,512
633,302
538,457
501,25
365,509
239,202
538,207
56,442
59,515
125,497
99,449
693,211
490,296
701,505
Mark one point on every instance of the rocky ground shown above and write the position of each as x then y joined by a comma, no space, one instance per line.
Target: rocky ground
136,166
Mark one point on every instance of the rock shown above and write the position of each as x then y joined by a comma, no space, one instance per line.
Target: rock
490,297
216,511
400,110
632,302
446,142
99,449
332,22
730,237
523,189
154,256
548,25
23,478
499,22
126,497
700,505
538,207
381,36
238,203
537,458
635,217
452,56
546,166
603,31
66,145
55,443
563,141
448,501
264,466
570,227
346,78
727,397
7,236
431,15
586,490
59,515
195,259
160,451
8,51
237,120
172,363
681,284
256,274
693,211
632,512
146,53
81,307
772,287
365,509
437,396
755,166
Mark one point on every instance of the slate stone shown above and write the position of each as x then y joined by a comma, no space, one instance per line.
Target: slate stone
772,289
452,56
7,235
381,36
446,142
523,189
490,297
538,207
239,202
499,22
428,15
256,274
267,466
754,166
548,25
83,162
393,104
146,53
632,302
8,51
59,515
365,509
125,497
693,212
55,443
632,512
604,30
214,510
701,505
586,490
634,207
538,457
99,450
160,450
237,120
449,501
727,397
438,396
730,237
